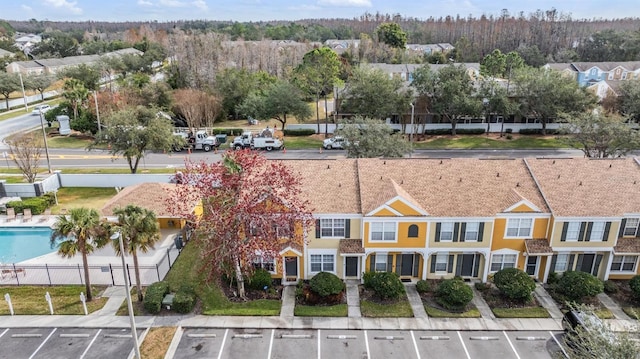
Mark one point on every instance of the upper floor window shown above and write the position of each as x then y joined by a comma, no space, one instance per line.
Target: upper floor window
413,231
332,227
446,231
471,231
631,227
383,231
597,232
519,227
573,231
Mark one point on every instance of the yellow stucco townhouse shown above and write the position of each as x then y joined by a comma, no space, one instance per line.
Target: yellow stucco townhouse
595,205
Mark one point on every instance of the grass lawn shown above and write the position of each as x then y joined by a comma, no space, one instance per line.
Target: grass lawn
90,197
633,312
68,142
534,312
302,142
157,342
13,179
399,309
433,312
338,310
117,170
483,141
603,313
29,300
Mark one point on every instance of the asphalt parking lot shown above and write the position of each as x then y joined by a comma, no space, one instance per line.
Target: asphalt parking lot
335,344
65,343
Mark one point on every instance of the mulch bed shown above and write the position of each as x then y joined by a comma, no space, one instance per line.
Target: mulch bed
308,297
230,292
496,300
370,296
623,296
560,299
429,298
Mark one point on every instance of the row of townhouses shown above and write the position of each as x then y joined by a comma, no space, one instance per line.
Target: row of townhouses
439,218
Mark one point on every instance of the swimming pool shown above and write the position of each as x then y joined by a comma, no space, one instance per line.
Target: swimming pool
19,244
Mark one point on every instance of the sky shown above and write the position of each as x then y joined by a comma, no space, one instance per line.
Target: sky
265,10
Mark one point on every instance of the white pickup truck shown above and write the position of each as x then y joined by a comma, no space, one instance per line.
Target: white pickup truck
249,140
199,141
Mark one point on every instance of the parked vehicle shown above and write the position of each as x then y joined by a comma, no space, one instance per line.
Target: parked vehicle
255,142
575,321
198,141
40,109
336,142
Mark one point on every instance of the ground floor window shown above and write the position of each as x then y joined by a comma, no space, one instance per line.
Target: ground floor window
322,262
264,263
502,261
562,262
624,263
381,263
442,259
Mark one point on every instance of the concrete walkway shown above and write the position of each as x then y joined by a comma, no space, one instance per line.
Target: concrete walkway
288,301
353,299
545,300
416,302
116,296
613,307
481,304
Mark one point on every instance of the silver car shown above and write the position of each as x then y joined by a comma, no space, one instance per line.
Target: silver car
333,143
40,109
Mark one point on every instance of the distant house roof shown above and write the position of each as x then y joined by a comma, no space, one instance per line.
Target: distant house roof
4,53
559,66
606,66
153,196
68,61
589,187
27,64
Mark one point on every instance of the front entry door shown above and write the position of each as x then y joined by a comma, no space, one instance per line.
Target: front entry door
352,267
291,267
532,264
467,265
407,265
587,263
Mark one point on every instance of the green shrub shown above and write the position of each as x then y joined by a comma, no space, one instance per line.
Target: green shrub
299,132
634,284
610,287
553,278
183,302
367,279
260,279
423,286
226,131
152,301
482,286
514,283
36,204
387,285
578,285
325,284
438,132
470,131
536,131
508,130
509,137
454,294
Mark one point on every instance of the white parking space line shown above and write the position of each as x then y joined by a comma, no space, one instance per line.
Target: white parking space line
464,346
366,343
415,344
318,343
5,332
42,344
270,344
511,344
90,344
560,345
224,339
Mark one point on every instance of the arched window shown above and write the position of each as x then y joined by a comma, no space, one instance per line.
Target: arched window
413,231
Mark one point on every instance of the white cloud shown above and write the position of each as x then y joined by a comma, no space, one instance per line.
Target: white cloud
172,3
26,8
200,4
354,3
65,5
145,3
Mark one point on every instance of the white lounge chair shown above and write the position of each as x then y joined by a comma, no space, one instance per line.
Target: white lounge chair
26,217
11,214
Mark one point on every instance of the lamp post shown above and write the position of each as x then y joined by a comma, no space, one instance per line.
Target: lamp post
485,104
95,99
412,113
134,334
24,95
44,135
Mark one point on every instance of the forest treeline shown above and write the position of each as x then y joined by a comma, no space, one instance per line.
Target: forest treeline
545,36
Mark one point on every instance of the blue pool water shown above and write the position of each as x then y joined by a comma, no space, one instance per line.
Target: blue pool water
19,244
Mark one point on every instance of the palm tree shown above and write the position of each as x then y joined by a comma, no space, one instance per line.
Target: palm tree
139,231
80,231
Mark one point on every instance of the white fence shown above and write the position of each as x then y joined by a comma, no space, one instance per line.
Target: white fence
30,99
420,128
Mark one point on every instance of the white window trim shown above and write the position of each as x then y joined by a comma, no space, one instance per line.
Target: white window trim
379,259
566,265
260,260
323,252
600,237
505,251
467,230
506,227
621,271
627,226
452,231
569,224
446,262
333,227
395,231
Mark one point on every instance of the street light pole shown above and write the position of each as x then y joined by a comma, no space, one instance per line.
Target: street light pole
134,333
412,113
95,98
46,147
24,95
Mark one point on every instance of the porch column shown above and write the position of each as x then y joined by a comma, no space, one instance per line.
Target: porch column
608,269
547,267
487,263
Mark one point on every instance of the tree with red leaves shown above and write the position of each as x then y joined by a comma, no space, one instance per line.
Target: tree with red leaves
252,207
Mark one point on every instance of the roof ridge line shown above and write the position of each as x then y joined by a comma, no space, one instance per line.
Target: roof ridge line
535,180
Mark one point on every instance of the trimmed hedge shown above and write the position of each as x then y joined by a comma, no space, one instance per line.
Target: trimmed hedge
610,287
183,302
577,285
454,294
261,278
459,131
299,132
514,284
634,284
536,131
227,131
422,286
386,285
36,204
326,284
152,301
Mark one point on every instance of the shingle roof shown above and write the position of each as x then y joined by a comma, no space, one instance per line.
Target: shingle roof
627,246
585,187
330,185
606,66
151,195
449,187
537,246
350,246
